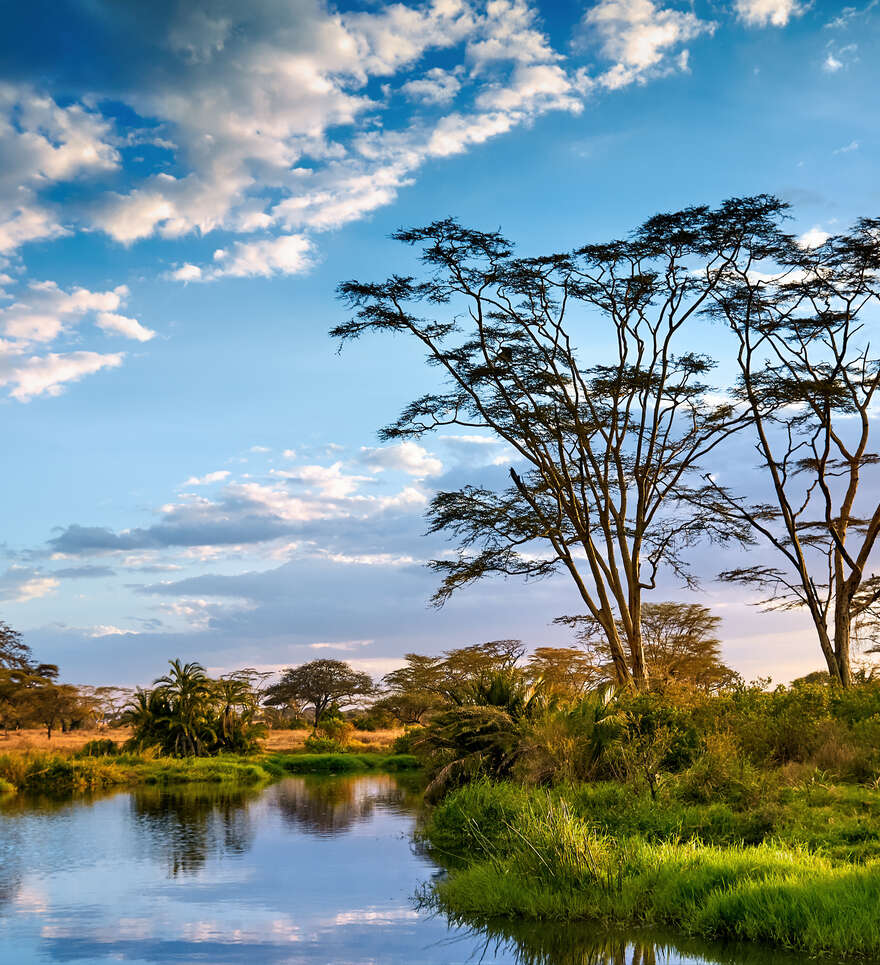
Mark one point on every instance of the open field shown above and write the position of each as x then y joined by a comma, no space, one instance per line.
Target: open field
34,739
366,740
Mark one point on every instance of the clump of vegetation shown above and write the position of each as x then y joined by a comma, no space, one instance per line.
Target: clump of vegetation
531,854
186,714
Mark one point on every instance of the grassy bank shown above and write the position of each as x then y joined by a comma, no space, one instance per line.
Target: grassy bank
59,772
584,853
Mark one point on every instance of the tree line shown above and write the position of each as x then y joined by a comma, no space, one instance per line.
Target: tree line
619,465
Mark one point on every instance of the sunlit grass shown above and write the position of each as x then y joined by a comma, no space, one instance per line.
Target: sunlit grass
517,853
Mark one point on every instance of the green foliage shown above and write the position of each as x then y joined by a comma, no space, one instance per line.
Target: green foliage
187,714
103,747
531,854
316,744
336,763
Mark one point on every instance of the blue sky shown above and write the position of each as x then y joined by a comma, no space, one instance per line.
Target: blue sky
191,469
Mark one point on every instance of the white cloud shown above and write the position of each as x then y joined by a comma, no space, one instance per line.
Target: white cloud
642,38
46,310
765,13
436,86
813,238
208,478
42,144
19,584
187,272
408,457
847,148
831,64
48,374
44,314
123,325
286,255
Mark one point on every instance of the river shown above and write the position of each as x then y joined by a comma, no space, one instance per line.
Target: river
305,871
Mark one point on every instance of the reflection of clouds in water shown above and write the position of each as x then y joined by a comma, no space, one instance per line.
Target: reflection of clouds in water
305,872
373,916
31,898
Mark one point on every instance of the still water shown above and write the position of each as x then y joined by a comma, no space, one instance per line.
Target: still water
306,871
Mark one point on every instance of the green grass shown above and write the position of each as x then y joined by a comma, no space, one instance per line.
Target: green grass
56,773
59,773
527,854
339,763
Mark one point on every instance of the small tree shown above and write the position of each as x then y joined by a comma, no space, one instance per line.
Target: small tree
680,643
319,684
563,671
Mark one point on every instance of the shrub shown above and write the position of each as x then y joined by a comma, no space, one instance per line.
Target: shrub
316,744
104,747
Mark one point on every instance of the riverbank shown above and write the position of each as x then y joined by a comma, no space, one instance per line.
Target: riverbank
810,880
60,772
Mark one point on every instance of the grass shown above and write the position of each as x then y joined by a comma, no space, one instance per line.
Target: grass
339,763
516,853
65,771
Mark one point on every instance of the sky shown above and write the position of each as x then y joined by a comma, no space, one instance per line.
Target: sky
192,468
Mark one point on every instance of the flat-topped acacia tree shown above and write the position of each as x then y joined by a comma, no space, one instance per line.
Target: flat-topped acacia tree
604,449
809,381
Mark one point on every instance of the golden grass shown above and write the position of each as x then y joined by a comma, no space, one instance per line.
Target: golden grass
33,739
366,740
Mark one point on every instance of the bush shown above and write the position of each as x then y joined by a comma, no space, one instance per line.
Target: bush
408,742
99,748
316,744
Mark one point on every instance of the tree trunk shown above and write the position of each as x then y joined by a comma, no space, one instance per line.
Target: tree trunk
842,637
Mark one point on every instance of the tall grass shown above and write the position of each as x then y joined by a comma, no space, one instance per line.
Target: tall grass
527,854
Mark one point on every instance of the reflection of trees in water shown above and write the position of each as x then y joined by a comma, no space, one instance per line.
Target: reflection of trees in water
542,943
185,825
329,805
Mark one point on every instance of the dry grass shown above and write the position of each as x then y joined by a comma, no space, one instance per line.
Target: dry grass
276,740
365,740
32,739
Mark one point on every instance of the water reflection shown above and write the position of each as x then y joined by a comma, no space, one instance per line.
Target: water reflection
306,871
333,805
185,825
531,943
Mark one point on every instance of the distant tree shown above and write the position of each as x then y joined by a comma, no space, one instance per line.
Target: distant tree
809,381
319,684
51,704
605,451
563,671
414,690
15,654
680,642
464,667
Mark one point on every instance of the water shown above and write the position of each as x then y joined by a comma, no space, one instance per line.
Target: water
308,870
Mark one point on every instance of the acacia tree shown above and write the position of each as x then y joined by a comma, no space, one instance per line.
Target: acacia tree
604,450
319,684
681,645
809,381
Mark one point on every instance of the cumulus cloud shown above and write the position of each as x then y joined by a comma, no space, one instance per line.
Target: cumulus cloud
19,584
436,86
642,38
44,314
48,374
408,457
42,144
208,478
813,238
766,13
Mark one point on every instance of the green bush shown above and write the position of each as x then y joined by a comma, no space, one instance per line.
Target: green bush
104,747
